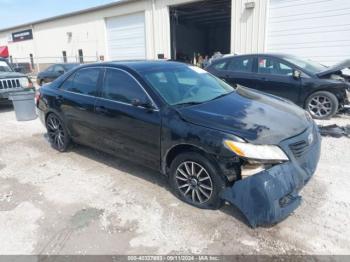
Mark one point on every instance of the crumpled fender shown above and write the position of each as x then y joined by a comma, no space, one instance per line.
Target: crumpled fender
271,195
258,196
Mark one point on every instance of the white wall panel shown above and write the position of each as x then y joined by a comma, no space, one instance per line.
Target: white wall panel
126,37
314,29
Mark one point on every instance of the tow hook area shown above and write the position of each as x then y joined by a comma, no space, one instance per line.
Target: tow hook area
269,196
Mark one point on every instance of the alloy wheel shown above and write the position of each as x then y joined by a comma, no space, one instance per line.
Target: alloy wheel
56,132
320,106
194,182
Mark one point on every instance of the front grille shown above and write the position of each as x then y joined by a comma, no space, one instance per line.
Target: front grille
298,148
9,83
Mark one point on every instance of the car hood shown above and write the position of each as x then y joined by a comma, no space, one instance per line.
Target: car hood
10,75
251,115
335,68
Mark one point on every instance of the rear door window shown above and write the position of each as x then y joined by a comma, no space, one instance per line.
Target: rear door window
121,87
241,64
83,82
273,66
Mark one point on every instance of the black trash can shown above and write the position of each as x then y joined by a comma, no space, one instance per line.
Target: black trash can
24,105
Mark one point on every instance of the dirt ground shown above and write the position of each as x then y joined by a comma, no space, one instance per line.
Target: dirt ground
87,202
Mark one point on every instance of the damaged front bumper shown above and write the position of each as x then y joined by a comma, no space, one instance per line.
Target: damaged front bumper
271,195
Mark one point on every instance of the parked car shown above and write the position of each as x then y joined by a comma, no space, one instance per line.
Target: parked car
214,142
11,81
320,90
53,72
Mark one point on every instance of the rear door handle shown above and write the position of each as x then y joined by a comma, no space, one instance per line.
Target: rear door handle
263,79
101,110
82,108
59,99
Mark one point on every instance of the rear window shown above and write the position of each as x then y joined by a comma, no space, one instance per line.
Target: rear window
220,65
83,82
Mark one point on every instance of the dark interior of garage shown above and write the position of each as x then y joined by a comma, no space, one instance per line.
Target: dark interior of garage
200,30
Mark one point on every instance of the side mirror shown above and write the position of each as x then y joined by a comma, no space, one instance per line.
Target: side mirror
17,69
145,104
296,74
61,72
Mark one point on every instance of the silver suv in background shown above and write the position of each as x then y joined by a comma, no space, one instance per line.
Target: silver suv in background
11,81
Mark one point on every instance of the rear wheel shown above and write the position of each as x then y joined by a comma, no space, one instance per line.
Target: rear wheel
322,105
58,135
195,180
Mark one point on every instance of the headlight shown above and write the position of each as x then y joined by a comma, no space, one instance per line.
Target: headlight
24,82
263,153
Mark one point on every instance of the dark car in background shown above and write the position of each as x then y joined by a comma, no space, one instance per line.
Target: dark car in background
53,72
214,142
321,90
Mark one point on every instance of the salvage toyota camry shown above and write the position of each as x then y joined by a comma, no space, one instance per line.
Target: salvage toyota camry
214,142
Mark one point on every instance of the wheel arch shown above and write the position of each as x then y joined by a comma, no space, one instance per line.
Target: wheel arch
49,112
319,90
177,149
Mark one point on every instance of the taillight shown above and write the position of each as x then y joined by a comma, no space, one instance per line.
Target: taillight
37,96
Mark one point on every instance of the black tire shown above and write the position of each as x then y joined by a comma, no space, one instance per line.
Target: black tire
216,182
57,133
322,105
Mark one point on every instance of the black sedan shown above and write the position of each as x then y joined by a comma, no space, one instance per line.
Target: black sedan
318,89
213,142
53,72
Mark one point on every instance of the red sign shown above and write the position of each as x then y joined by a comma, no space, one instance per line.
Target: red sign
4,51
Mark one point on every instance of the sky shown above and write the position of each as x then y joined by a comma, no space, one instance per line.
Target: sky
16,12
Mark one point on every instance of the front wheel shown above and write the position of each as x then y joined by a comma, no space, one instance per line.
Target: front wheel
58,135
322,105
195,180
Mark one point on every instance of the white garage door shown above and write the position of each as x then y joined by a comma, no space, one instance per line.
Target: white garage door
313,29
126,37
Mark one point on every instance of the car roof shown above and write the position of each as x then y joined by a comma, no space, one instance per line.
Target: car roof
279,55
141,65
65,64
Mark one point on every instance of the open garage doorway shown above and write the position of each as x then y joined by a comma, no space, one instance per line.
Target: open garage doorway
200,29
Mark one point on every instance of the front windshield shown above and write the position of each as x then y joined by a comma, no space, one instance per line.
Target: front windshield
186,85
307,65
4,67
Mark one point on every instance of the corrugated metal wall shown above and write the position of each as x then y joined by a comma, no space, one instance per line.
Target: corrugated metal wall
50,38
314,29
248,28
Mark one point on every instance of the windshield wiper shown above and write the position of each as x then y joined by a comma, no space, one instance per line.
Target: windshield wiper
222,95
189,103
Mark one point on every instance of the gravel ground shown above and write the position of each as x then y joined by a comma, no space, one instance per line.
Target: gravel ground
87,202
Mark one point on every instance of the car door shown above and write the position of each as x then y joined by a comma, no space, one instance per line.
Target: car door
275,76
239,70
128,127
76,99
